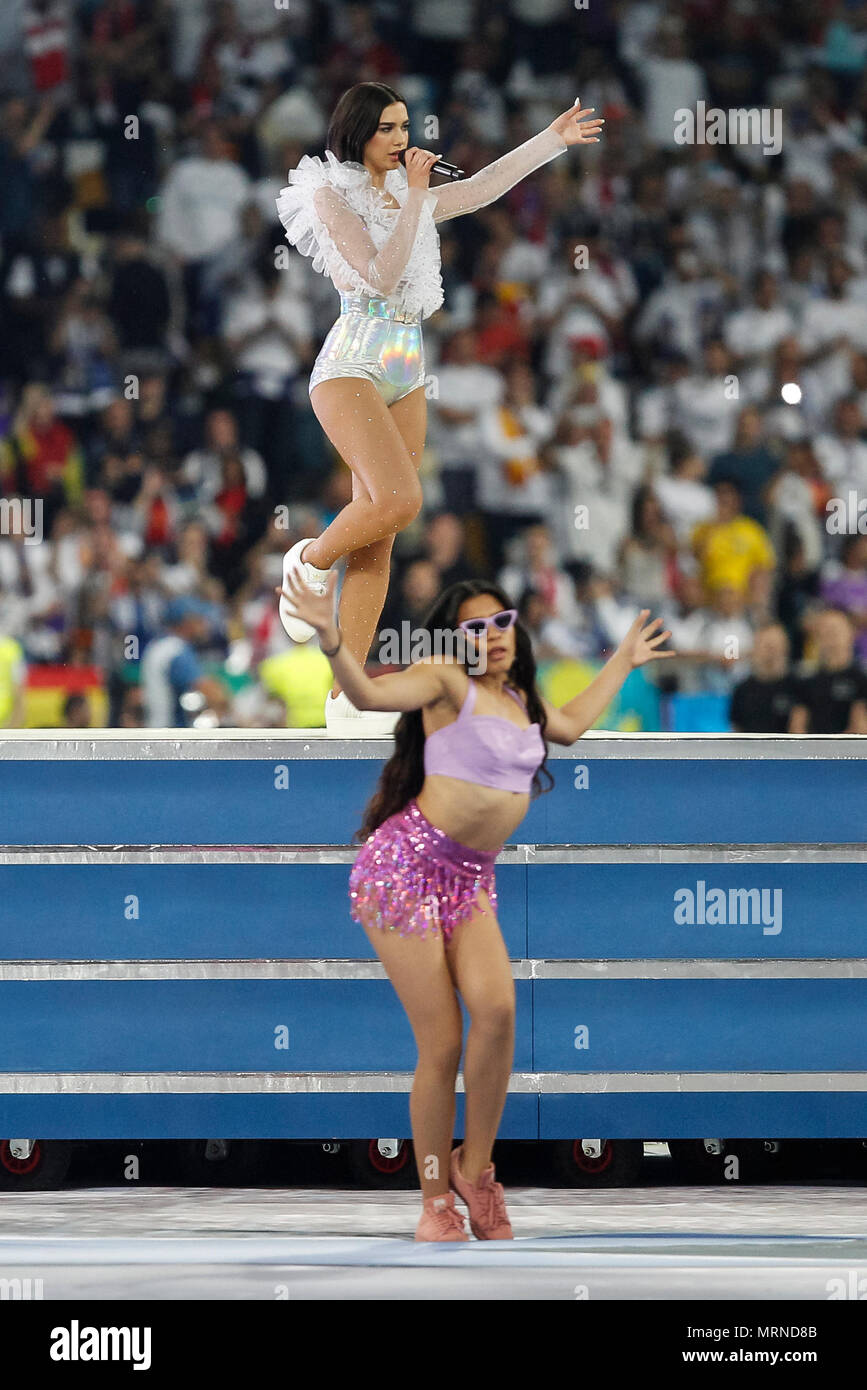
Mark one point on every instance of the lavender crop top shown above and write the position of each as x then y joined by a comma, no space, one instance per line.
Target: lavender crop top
485,748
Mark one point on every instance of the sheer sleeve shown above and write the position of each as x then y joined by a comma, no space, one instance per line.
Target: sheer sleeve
351,243
468,195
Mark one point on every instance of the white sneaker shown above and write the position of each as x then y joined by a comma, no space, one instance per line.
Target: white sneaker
309,575
343,720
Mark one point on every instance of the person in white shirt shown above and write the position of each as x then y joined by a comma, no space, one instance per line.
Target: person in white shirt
593,515
683,495
463,390
201,203
754,332
831,326
712,639
268,331
671,82
673,315
843,452
534,563
591,298
706,405
200,475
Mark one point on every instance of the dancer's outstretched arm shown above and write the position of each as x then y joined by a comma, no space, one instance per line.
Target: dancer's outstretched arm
566,723
420,684
574,127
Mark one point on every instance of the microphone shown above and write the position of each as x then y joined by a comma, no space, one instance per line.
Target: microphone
442,166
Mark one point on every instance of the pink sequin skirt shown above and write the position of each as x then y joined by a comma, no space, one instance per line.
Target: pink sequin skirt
411,877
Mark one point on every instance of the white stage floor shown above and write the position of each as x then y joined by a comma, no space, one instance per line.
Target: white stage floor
762,1242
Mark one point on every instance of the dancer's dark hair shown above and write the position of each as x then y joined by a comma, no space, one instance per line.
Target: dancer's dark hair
355,118
403,774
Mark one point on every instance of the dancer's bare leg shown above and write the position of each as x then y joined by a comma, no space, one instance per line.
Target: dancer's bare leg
479,965
365,581
364,432
416,966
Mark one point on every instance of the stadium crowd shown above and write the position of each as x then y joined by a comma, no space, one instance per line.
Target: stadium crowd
647,383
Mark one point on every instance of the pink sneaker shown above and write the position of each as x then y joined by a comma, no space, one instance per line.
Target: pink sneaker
485,1199
440,1220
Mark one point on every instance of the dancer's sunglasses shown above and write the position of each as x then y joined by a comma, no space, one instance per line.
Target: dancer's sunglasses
501,621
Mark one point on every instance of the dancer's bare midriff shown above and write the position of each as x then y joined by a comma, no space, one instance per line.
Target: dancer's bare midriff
481,817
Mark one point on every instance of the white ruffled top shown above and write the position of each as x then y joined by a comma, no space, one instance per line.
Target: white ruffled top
333,213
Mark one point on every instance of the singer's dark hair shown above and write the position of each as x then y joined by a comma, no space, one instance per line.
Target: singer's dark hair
403,774
355,118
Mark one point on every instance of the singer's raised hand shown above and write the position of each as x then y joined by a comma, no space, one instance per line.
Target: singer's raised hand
418,164
577,128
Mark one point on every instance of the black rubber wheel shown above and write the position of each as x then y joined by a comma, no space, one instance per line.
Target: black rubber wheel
369,1168
227,1163
46,1167
618,1165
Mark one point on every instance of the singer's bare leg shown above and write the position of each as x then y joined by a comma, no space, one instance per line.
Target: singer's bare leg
383,447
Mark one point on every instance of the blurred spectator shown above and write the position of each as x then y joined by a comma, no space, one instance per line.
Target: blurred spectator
175,688
753,333
685,497
444,544
13,674
201,477
200,210
763,702
842,453
268,335
844,585
40,458
535,563
46,30
833,700
705,405
648,555
132,710
671,81
417,590
515,487
464,389
731,545
139,302
749,462
76,712
37,276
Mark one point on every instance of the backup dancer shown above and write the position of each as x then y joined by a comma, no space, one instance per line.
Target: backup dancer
370,223
470,745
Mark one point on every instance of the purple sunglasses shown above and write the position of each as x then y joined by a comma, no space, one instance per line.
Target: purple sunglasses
501,621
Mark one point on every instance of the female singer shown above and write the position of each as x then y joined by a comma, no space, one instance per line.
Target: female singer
370,223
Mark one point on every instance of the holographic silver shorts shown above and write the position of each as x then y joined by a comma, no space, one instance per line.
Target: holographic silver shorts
374,341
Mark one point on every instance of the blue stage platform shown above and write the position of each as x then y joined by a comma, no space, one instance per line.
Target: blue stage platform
685,915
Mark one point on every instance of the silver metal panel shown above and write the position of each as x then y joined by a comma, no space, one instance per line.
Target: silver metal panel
130,745
381,1082
510,854
754,969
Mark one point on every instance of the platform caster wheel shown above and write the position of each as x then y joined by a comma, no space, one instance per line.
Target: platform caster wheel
45,1167
370,1167
618,1165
